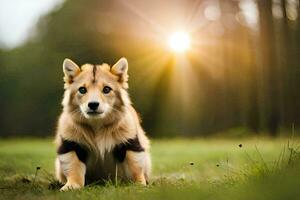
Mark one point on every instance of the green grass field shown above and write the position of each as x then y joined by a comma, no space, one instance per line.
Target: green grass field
182,169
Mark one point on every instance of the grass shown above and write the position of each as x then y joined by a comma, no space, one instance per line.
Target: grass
253,168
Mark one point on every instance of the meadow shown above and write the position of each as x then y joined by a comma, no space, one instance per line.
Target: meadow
252,168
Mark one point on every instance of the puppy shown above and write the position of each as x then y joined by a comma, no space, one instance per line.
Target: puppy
99,136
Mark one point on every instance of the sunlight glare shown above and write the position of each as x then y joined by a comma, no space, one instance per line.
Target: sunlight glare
179,41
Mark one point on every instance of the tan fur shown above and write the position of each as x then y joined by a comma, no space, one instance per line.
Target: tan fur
118,123
134,159
73,169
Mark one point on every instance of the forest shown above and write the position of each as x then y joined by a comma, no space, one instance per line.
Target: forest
241,74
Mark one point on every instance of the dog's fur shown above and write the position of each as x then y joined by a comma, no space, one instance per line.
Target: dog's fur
103,144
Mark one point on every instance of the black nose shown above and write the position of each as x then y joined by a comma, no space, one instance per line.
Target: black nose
93,105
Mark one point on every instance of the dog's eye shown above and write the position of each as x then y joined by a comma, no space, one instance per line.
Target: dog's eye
82,90
106,90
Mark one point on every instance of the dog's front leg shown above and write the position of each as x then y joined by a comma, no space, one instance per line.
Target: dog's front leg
73,169
136,165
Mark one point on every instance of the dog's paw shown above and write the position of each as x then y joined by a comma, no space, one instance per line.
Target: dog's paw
143,183
70,186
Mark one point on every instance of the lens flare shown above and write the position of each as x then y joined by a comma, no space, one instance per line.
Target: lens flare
179,41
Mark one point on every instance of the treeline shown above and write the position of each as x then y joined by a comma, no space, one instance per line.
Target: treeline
243,70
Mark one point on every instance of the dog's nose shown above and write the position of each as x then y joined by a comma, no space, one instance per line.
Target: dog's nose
93,105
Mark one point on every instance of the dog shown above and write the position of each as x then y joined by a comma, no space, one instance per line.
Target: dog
99,136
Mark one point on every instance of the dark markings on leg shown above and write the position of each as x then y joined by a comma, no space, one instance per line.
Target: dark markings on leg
131,145
94,73
68,146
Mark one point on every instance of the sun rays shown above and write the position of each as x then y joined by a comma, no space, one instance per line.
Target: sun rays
181,51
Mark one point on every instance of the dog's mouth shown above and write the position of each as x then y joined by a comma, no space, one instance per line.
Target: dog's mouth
94,113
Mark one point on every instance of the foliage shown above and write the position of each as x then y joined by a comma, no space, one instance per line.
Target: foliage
238,76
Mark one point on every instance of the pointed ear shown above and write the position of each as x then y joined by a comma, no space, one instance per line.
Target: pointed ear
120,69
70,70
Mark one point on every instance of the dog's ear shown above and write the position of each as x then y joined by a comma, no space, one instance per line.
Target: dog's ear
70,69
120,69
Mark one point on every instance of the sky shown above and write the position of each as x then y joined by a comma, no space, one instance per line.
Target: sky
18,17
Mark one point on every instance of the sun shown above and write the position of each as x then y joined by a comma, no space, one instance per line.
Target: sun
179,41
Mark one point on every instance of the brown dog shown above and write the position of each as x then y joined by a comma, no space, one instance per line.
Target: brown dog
99,136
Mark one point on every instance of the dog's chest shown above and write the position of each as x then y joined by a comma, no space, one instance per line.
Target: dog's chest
100,168
108,160
104,166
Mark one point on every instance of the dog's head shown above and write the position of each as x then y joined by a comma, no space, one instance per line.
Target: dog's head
95,91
